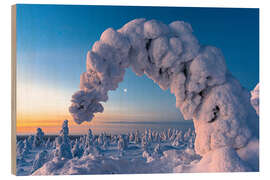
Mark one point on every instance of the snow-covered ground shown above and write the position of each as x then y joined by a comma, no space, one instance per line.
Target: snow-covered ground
147,152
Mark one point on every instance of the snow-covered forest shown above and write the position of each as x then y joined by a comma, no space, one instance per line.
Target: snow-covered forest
135,152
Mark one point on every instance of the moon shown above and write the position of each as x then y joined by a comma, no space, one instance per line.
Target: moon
125,90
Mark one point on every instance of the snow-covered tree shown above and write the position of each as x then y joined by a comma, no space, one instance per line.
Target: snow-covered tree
157,151
156,137
178,139
89,138
187,135
149,136
169,133
145,143
48,143
63,149
137,138
39,138
19,147
163,136
131,137
54,143
106,142
26,147
121,143
100,140
30,140
77,151
173,136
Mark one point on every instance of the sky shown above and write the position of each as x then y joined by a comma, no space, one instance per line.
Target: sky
53,40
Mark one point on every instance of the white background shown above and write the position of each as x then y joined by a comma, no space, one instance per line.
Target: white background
5,86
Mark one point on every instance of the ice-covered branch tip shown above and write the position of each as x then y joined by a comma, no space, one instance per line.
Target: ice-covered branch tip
172,57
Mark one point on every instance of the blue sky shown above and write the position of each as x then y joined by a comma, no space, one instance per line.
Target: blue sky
52,42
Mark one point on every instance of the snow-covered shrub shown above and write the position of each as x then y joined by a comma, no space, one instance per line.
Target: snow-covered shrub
147,156
77,151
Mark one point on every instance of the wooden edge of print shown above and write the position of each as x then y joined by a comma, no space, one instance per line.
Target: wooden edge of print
13,89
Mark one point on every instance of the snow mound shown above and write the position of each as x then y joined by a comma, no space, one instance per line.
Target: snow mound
220,160
90,164
98,164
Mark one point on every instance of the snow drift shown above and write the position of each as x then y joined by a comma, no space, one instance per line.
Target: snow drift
197,75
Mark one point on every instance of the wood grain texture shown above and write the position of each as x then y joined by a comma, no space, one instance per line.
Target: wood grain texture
13,89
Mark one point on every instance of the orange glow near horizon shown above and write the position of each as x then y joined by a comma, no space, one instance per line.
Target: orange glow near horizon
46,106
51,123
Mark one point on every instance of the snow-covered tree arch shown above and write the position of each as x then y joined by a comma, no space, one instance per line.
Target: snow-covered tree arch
172,57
